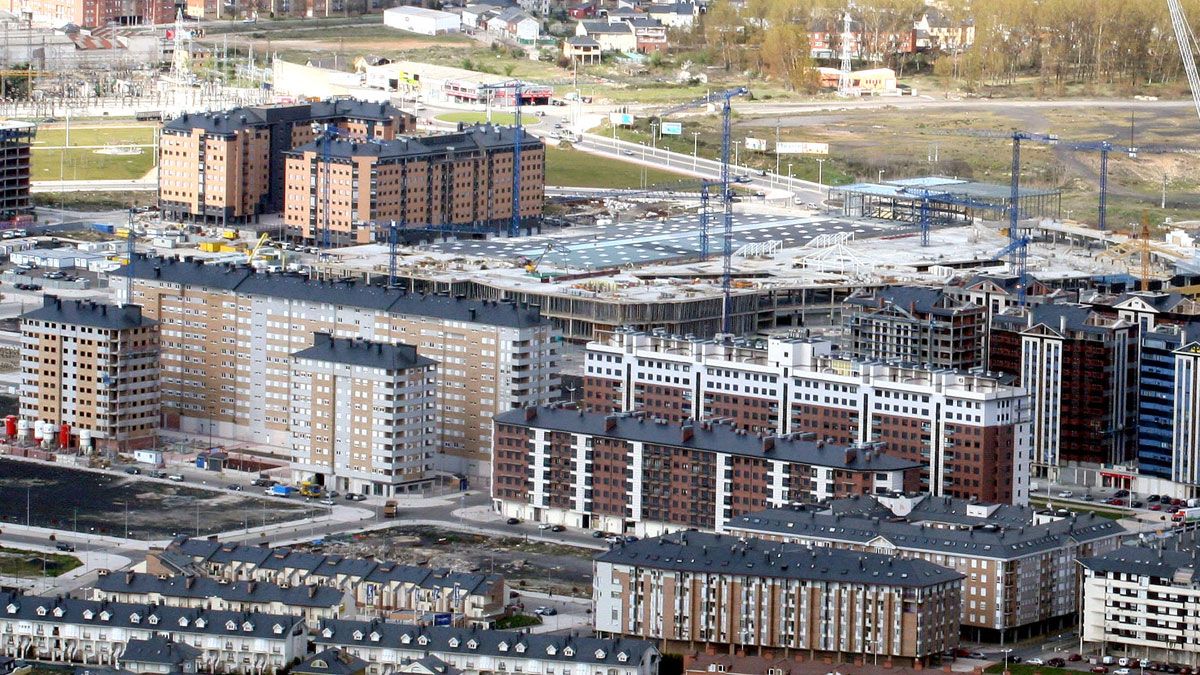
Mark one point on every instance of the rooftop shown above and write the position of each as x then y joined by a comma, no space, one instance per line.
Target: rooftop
332,661
89,313
722,438
1179,566
204,587
235,119
1059,318
708,553
477,138
358,352
159,649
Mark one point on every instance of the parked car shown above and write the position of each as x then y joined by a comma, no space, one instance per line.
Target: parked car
64,546
1056,662
1036,661
261,482
558,528
355,497
1066,494
328,502
1075,657
1122,671
176,477
133,471
545,611
235,487
544,526
597,534
1099,669
977,655
513,521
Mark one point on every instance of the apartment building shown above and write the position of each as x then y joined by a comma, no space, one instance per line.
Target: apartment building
228,166
92,369
794,664
374,585
970,431
1017,563
312,602
1185,427
94,13
384,645
229,334
624,473
914,324
1140,602
16,141
97,633
697,591
456,179
362,416
1081,371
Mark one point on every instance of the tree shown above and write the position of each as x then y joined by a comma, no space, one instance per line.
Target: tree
785,55
722,28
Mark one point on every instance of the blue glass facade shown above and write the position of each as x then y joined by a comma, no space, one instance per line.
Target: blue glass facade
1155,399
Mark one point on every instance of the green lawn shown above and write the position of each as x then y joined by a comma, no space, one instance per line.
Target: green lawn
580,169
80,164
95,201
20,563
116,135
502,118
518,621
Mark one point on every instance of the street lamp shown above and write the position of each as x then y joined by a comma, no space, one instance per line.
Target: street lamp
653,135
820,171
1007,651
789,172
880,179
735,152
695,147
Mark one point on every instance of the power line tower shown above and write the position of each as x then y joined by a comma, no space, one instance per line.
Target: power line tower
844,81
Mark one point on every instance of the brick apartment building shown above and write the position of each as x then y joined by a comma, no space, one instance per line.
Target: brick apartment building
94,369
95,13
1081,371
1018,576
914,324
625,473
229,335
228,166
969,431
696,591
16,142
460,178
385,392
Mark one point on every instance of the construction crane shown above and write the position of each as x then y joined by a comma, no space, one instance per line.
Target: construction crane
1017,252
531,265
930,197
518,88
325,135
252,254
724,98
1145,248
1187,49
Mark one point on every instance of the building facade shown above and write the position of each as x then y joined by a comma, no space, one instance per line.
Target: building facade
1081,371
913,324
95,13
230,333
374,585
92,369
696,591
450,180
228,166
362,416
91,632
969,431
1018,576
16,142
386,646
1137,602
1161,362
625,473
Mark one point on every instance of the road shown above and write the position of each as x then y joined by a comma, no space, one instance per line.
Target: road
139,185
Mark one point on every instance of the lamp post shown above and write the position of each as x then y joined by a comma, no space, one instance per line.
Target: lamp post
695,147
820,171
1007,651
880,179
735,152
653,135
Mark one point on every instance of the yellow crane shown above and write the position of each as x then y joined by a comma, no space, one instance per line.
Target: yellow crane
1145,248
250,257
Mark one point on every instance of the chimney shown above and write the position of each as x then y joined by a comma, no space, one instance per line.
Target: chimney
530,412
471,313
610,422
1062,324
850,455
687,432
768,444
189,582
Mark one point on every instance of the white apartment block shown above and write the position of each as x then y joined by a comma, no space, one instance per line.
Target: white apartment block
362,417
89,632
971,431
1141,602
1185,459
229,333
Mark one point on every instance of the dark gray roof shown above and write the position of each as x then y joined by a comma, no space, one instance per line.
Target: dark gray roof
438,639
991,540
708,553
477,138
147,616
194,273
159,649
205,587
358,352
705,436
89,313
332,661
582,41
233,120
603,27
1075,317
1143,562
915,299
941,510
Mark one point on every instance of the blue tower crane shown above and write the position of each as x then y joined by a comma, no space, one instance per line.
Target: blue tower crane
325,135
724,98
517,87
929,197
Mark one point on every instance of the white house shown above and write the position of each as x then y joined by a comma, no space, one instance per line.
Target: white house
515,25
674,15
420,20
475,17
613,37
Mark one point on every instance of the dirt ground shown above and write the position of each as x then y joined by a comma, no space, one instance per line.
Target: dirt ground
562,570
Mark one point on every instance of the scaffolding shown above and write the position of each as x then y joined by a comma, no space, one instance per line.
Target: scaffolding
899,201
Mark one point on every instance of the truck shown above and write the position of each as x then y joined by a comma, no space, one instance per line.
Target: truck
280,490
1190,515
390,508
310,489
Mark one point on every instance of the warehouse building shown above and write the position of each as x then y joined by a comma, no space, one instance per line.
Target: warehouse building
420,20
457,179
946,200
696,591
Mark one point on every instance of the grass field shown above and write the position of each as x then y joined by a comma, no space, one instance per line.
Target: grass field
20,563
501,118
1112,514
80,164
95,201
580,169
114,135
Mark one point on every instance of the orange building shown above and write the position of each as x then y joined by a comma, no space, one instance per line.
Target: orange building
460,178
95,13
228,166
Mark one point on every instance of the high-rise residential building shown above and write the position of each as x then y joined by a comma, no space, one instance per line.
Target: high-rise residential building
1158,367
92,369
997,292
969,431
1137,602
95,13
1185,431
696,591
1081,371
464,178
228,166
624,473
16,141
229,334
1016,562
914,324
362,416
